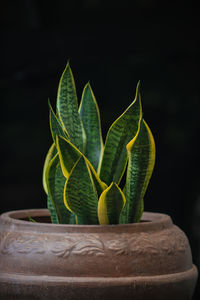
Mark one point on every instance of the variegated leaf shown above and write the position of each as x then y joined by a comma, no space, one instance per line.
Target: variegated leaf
90,117
55,185
68,155
119,135
111,203
53,214
51,153
80,195
67,107
55,125
141,153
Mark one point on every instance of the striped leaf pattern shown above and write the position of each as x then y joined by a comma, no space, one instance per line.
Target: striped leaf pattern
68,155
111,203
51,153
81,176
119,135
141,153
55,125
89,113
55,184
80,195
67,107
53,214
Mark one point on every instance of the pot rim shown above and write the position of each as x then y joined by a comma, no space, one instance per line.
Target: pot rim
150,222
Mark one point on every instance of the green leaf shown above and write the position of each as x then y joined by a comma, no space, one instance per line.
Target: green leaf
69,155
119,135
55,184
141,153
55,125
111,203
30,218
67,107
80,195
51,153
123,215
90,117
53,214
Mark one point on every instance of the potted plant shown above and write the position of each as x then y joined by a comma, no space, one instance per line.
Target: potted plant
99,244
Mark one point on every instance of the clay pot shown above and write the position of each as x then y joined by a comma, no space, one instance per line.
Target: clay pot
148,260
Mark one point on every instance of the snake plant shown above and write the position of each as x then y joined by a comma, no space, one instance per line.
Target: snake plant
82,176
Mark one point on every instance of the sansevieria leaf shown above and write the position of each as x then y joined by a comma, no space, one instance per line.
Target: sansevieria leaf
141,154
111,203
119,135
68,155
52,210
51,153
80,195
67,107
90,117
55,125
55,184
124,214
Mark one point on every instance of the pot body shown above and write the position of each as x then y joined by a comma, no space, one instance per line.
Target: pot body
148,260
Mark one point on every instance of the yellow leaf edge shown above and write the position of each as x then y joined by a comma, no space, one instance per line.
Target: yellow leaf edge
47,176
137,95
58,95
59,120
151,157
99,118
64,170
132,103
102,208
65,187
46,163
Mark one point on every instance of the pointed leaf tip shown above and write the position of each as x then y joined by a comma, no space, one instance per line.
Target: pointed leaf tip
68,154
67,107
110,205
80,195
90,116
141,154
121,132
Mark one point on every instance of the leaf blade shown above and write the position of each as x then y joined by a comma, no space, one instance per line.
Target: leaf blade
55,125
69,155
50,154
55,184
141,152
53,214
80,195
90,116
67,107
120,133
110,205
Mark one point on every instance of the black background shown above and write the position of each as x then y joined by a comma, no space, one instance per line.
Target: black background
112,44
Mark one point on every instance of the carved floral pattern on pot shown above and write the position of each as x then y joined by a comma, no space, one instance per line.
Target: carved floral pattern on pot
20,243
94,245
143,243
80,246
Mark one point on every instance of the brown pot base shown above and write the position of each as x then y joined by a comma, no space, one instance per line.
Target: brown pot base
150,260
162,287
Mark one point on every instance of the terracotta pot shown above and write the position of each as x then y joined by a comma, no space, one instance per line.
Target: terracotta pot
149,260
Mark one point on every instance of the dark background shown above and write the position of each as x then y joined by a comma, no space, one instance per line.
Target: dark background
112,44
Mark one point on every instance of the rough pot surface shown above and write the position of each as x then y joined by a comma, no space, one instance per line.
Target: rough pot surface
148,260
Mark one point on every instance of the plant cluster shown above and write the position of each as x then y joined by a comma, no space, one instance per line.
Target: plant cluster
82,177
